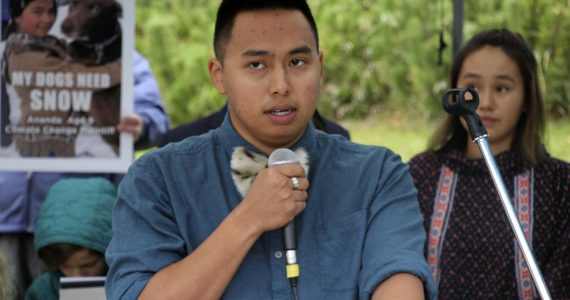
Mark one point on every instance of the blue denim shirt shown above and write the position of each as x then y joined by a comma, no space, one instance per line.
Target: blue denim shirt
362,223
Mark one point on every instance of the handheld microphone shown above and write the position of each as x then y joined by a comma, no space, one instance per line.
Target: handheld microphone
284,156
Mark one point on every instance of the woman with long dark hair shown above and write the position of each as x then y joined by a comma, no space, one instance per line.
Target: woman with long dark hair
471,248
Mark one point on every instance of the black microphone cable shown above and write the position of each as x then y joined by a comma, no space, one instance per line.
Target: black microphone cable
290,245
294,293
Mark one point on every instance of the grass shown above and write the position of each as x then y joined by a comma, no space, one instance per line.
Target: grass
407,135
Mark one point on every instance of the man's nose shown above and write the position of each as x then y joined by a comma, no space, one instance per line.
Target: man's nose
280,84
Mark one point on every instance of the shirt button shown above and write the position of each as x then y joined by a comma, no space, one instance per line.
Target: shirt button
278,254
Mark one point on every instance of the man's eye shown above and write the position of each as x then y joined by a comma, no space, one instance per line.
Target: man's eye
256,65
297,62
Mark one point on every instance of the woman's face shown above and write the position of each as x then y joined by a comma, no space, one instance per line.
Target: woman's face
36,18
500,86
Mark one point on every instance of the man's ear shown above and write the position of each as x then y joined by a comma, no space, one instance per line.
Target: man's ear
216,75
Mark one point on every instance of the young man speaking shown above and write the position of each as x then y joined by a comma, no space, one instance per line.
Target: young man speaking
202,219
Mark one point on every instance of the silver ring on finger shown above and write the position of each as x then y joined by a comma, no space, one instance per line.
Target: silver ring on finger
295,182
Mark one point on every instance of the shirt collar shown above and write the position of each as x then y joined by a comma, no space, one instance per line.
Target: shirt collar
230,138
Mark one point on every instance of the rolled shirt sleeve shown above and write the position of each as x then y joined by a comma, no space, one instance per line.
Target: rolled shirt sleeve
146,237
395,239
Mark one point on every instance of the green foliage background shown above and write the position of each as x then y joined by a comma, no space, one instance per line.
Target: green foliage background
379,54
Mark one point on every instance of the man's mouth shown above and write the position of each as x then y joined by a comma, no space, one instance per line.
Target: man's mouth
283,115
281,112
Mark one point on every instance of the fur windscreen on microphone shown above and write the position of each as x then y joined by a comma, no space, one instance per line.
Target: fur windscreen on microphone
246,164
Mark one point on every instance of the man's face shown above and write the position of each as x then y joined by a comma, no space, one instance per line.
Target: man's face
271,75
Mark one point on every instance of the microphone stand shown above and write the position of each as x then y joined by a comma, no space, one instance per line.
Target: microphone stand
454,103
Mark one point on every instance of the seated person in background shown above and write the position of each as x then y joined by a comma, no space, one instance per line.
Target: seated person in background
22,193
472,250
214,121
72,232
183,230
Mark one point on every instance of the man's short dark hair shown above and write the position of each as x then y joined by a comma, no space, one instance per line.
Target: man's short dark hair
229,9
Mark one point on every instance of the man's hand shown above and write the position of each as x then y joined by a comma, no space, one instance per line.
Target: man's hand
132,124
271,202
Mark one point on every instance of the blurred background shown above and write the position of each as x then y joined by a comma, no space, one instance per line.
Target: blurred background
383,73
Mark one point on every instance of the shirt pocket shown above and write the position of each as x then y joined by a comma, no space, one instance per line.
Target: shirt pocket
339,248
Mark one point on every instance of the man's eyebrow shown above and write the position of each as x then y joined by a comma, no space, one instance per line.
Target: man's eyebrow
301,50
252,52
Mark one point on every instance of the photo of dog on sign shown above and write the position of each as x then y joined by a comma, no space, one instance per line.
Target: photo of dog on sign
96,32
